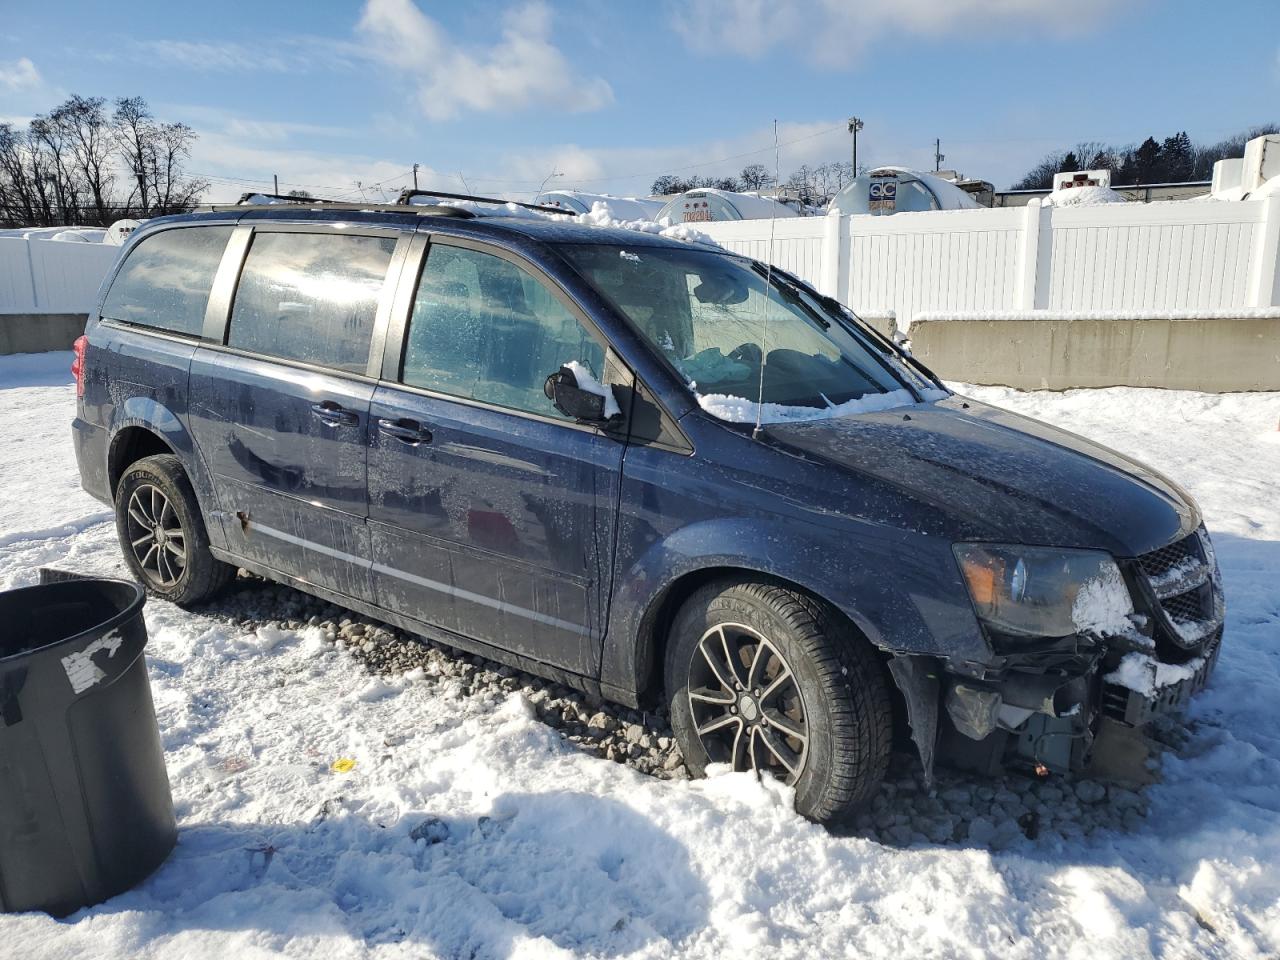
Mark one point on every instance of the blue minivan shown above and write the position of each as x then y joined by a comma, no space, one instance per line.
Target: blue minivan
657,471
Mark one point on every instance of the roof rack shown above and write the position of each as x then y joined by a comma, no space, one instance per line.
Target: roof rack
283,197
408,194
246,200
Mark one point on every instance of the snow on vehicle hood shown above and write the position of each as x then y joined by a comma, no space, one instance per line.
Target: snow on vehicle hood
1003,477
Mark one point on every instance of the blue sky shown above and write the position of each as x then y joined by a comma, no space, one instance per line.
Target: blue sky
502,93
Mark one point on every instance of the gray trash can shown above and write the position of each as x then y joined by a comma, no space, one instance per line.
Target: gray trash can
85,807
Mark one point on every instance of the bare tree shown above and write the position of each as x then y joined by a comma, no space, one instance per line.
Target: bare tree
755,177
135,132
53,177
78,165
86,133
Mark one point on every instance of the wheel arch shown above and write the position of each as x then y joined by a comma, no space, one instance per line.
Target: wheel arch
129,445
653,631
144,426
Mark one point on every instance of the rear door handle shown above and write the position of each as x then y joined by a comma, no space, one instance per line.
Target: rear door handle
334,413
405,430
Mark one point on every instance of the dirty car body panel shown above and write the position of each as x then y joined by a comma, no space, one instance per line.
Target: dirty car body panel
564,547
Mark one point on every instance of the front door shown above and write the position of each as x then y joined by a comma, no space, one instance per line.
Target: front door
491,514
281,412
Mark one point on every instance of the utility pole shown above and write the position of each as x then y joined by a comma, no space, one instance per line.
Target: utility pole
415,176
854,126
937,155
275,178
551,176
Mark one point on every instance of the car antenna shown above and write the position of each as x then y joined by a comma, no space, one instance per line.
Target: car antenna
768,285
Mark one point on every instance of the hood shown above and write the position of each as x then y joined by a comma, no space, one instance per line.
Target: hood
1003,477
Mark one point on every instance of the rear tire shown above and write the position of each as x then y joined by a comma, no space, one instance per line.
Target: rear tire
162,533
827,729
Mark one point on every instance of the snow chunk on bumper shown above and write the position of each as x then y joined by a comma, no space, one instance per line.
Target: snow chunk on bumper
1146,675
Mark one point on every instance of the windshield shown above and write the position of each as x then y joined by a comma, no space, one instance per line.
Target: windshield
708,314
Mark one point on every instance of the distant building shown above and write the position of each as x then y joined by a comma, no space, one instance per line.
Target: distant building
705,205
887,190
1142,193
622,208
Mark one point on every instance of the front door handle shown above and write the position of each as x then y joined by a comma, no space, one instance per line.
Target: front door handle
334,413
405,430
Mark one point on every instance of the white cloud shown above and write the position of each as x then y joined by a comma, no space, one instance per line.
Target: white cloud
835,32
234,165
20,74
292,54
522,69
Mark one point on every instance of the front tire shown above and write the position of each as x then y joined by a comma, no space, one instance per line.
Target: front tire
767,678
162,533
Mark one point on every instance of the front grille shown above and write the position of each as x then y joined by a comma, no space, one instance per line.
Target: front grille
1189,607
1157,563
1183,587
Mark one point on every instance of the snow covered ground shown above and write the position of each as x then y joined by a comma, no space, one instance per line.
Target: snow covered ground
542,850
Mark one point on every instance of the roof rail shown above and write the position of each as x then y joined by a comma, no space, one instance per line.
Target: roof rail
319,203
408,194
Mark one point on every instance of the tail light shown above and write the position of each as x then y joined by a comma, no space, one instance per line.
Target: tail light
77,364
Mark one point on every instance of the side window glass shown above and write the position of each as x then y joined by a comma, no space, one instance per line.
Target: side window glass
311,297
165,282
485,329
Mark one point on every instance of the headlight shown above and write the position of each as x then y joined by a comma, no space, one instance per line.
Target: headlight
1032,592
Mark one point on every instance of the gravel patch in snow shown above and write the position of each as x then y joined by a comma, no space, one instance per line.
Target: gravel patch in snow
961,809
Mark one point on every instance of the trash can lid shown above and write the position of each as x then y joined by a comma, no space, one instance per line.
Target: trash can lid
49,614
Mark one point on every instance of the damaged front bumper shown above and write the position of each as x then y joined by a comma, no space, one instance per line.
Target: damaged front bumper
1045,709
1051,722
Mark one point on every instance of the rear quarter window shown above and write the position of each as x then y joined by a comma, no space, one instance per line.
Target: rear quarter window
164,283
311,297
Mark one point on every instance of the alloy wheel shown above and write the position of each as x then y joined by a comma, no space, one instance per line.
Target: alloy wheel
156,537
745,703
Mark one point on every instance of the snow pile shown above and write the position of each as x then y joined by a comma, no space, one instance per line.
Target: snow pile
600,216
1082,197
742,410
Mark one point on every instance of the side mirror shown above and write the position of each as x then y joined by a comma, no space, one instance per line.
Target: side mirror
583,405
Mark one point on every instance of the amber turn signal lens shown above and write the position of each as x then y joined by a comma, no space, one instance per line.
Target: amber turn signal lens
984,575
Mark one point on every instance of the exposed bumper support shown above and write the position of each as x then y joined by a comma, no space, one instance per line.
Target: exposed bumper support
1050,721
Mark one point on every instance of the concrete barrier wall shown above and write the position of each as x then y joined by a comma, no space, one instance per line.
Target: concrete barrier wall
38,332
1220,355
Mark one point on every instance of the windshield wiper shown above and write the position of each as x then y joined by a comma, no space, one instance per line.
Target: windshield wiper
791,292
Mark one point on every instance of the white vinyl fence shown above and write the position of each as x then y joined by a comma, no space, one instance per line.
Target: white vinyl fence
51,276
1153,259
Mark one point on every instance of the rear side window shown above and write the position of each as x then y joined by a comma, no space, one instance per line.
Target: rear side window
484,329
165,282
311,297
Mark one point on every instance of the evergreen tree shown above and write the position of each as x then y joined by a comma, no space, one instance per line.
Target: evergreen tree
1070,163
1179,158
1148,162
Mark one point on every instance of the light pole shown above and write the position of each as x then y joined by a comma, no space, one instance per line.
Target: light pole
550,176
854,126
